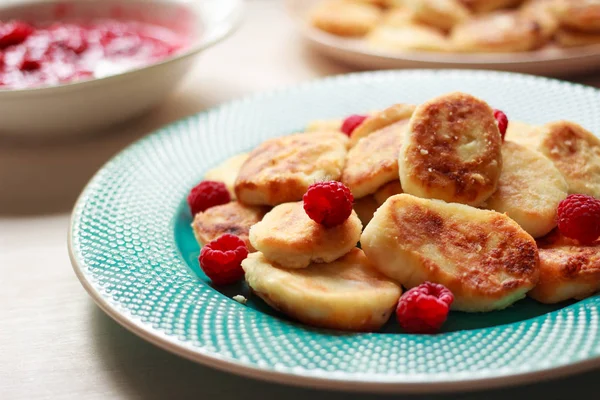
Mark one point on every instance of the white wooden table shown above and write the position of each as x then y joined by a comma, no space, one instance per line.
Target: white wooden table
54,342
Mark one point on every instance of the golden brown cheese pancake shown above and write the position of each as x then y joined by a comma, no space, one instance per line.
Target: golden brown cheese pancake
374,160
381,119
451,150
529,189
524,134
571,38
288,237
365,208
581,15
576,153
541,11
227,172
485,6
410,36
233,218
568,270
347,294
498,32
443,14
345,18
483,257
281,169
386,191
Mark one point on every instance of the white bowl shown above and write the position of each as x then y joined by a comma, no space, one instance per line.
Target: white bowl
84,107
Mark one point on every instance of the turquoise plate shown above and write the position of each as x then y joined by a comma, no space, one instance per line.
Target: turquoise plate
133,249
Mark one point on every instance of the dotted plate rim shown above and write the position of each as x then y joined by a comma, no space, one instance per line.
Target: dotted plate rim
371,382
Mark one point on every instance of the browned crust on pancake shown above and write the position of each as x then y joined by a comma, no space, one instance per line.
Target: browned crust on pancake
516,254
374,160
579,15
233,218
276,171
576,154
435,130
571,38
564,262
501,31
381,119
480,6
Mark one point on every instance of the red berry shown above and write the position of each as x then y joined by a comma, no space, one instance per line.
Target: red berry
30,63
502,121
221,259
207,194
14,32
424,309
328,203
579,218
352,122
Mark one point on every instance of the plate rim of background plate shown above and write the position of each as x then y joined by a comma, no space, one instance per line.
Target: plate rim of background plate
437,57
226,364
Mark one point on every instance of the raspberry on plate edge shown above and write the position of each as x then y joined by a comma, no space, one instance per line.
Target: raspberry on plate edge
424,308
221,259
207,194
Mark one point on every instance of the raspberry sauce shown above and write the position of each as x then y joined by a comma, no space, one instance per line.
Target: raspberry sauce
62,52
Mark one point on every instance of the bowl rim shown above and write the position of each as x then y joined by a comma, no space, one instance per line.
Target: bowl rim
231,22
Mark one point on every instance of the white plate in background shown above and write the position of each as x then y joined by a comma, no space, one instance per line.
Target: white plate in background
547,62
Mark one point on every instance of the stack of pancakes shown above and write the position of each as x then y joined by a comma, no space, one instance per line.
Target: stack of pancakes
477,26
441,198
312,273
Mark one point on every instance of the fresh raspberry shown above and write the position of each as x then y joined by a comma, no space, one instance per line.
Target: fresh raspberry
352,122
502,121
579,218
221,259
424,309
328,203
207,194
14,32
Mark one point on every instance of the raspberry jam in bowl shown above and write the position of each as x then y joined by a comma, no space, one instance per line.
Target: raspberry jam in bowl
77,67
59,52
